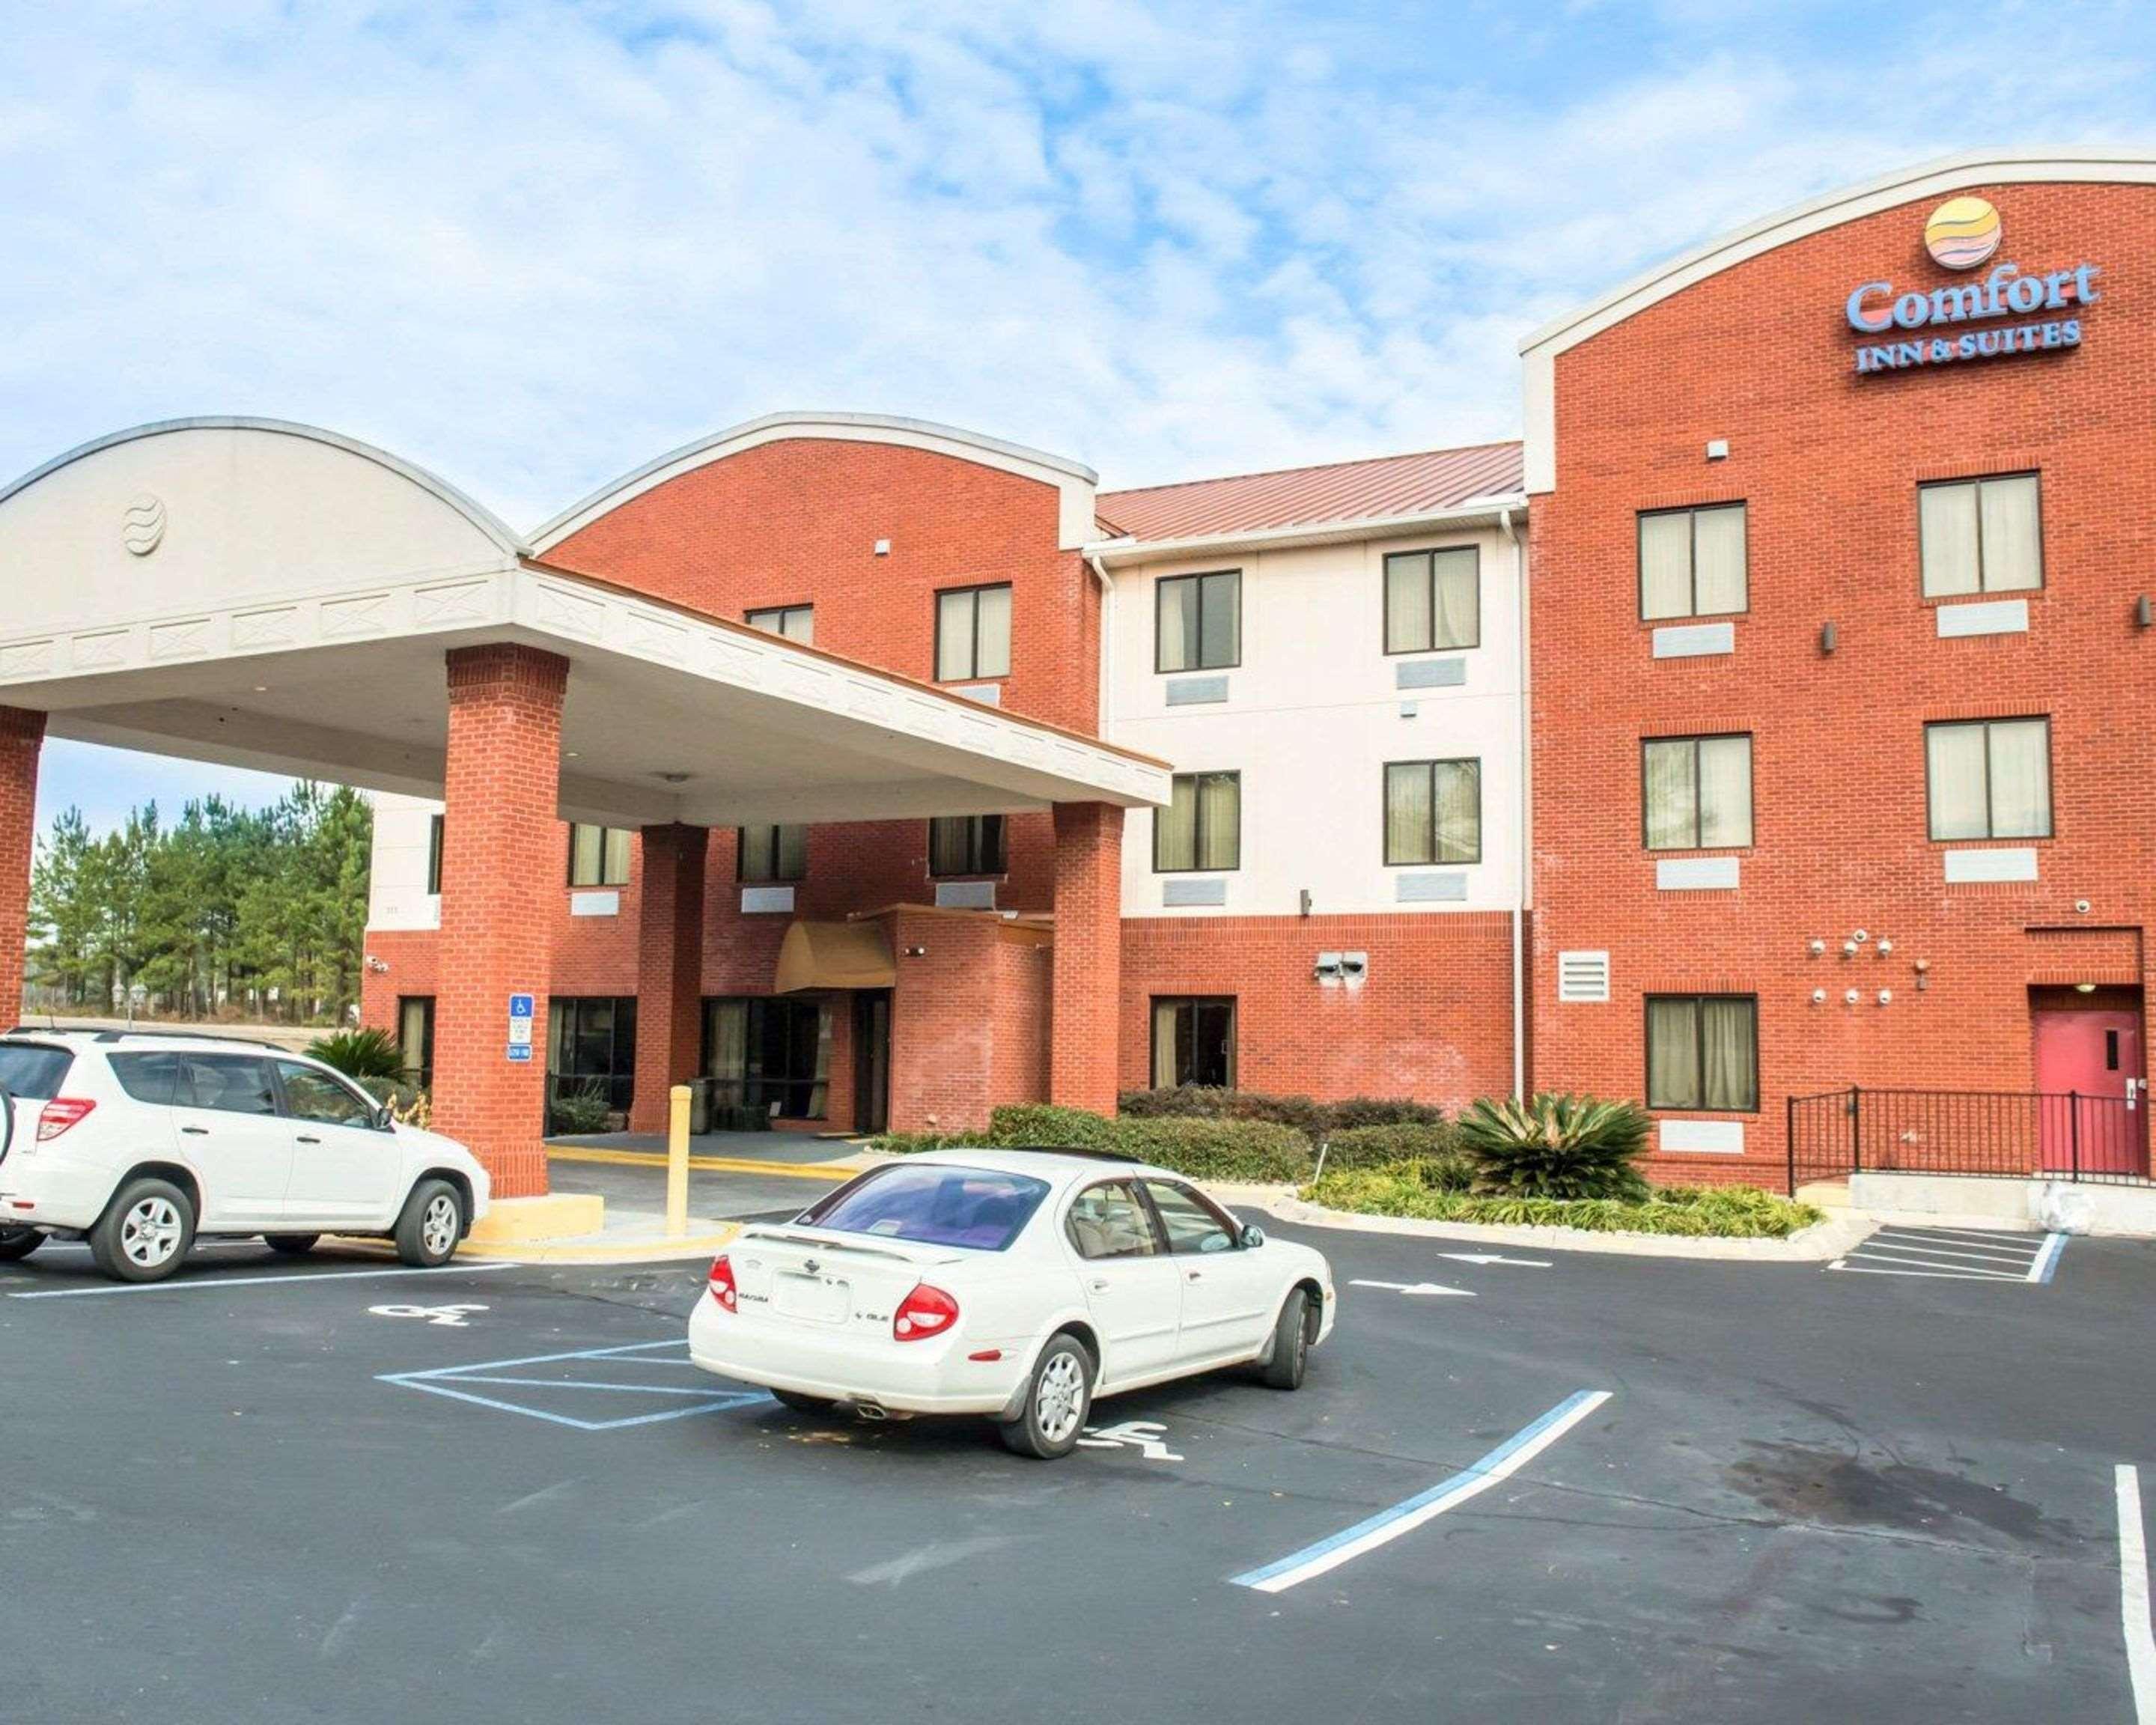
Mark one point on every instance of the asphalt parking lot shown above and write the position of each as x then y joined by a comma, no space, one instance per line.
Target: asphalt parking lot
342,1491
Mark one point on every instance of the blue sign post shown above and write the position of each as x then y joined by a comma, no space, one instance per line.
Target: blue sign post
519,1027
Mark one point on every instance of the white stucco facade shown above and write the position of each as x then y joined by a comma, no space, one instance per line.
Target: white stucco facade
1311,716
397,895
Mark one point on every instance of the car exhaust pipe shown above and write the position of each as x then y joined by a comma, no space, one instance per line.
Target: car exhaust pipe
870,1411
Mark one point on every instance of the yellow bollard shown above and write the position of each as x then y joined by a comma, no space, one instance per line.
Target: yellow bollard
677,1162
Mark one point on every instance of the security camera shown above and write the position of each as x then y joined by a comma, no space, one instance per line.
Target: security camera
2082,904
1860,937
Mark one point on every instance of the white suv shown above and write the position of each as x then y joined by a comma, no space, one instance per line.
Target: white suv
141,1143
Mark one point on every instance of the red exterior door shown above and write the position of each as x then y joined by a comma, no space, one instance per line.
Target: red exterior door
2089,1066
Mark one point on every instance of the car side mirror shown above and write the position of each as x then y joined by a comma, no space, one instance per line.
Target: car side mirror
1251,1237
384,1119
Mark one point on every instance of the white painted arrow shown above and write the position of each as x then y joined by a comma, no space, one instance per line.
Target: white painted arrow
1415,1288
1495,1258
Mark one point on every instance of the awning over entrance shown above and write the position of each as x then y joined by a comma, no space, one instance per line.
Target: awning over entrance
835,955
272,596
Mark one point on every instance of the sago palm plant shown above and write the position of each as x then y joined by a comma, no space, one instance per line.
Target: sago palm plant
1556,1146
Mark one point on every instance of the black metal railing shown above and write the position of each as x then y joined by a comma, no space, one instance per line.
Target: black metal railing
2052,1135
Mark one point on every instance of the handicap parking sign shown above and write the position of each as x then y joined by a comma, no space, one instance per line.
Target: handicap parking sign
519,1027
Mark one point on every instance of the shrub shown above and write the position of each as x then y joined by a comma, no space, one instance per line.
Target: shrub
1201,1102
1724,1212
1388,1146
360,1053
1560,1147
1357,1113
1255,1150
575,1112
1039,1123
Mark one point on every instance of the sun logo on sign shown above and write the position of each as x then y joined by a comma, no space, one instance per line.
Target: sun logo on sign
1962,233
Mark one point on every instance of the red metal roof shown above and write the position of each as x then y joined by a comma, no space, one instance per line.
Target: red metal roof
1426,483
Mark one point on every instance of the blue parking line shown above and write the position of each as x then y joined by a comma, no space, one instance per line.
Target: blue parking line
441,1380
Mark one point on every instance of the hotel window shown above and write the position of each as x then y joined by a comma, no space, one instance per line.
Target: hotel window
1692,562
1703,1052
1990,779
1198,622
598,856
1981,535
434,855
591,1044
1696,792
769,1056
415,1039
1201,829
1194,1042
767,853
973,634
796,623
1433,812
966,845
1433,600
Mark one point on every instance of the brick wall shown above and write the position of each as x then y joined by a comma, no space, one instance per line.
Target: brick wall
1432,1022
1088,958
21,740
1828,463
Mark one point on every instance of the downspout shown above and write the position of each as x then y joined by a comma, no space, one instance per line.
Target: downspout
1108,641
1520,887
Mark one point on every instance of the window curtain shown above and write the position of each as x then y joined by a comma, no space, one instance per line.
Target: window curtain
2013,552
820,1091
1673,1054
587,849
1175,828
1459,811
1220,820
947,846
1666,565
1408,811
1457,597
1672,802
1163,1044
1946,517
1729,1055
1221,619
1408,603
2020,771
1955,765
1177,610
790,845
1718,583
1725,791
954,636
726,1056
615,867
991,625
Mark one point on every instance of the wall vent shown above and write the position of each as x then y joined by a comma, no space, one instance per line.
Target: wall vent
1583,976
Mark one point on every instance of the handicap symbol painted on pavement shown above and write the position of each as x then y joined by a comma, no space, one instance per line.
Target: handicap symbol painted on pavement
451,1317
1146,1436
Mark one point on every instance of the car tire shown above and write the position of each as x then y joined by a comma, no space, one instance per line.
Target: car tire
1059,1396
144,1233
18,1243
431,1225
1284,1366
815,1406
291,1244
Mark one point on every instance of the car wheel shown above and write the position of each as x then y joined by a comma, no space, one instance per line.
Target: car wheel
1291,1354
291,1244
816,1405
432,1224
144,1232
1058,1398
18,1243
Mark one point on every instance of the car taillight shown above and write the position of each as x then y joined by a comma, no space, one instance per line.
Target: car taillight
924,1312
61,1113
722,1284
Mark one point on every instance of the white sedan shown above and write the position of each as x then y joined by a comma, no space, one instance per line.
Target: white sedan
1020,1284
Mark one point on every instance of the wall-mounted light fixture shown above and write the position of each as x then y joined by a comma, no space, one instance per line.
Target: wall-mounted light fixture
1354,967
2144,613
1848,949
1886,997
916,952
1818,997
1328,968
1828,640
2085,988
1885,947
1850,999
1817,946
1305,899
883,547
1718,449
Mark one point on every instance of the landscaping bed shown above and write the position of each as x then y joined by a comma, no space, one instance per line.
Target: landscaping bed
1415,1190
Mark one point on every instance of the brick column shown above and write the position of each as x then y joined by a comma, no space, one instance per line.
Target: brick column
670,970
22,737
1087,977
501,871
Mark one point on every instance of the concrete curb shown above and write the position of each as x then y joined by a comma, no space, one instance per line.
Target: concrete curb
704,1239
1819,1243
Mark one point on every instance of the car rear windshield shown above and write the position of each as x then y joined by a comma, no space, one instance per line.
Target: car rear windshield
940,1205
34,1069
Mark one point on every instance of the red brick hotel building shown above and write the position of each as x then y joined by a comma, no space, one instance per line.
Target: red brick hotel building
1770,722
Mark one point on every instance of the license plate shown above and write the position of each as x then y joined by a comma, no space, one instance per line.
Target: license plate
811,1297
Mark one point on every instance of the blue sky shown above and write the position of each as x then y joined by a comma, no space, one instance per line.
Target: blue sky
530,246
